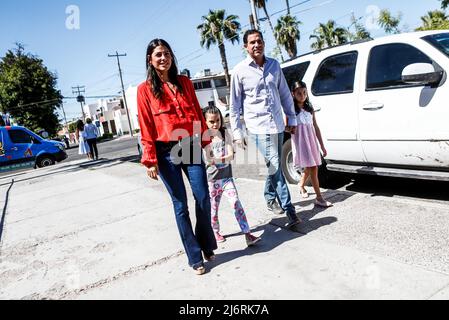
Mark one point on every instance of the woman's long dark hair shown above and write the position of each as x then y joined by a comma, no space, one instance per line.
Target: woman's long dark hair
307,104
80,125
152,76
215,110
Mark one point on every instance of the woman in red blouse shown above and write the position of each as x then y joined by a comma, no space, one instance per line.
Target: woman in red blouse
172,127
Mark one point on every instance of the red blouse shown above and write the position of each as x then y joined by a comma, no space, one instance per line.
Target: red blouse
174,117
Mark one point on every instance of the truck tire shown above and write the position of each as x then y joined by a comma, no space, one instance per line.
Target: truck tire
45,161
291,174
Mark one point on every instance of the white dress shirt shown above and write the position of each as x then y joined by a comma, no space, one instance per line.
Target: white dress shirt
263,95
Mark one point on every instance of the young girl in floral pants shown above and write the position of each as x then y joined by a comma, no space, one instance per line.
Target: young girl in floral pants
219,154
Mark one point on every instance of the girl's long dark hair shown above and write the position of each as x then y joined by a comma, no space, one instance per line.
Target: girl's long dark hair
152,77
215,110
307,104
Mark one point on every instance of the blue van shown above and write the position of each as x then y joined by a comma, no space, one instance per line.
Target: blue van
22,148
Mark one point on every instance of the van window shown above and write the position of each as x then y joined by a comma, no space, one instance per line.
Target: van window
296,72
336,75
19,136
386,63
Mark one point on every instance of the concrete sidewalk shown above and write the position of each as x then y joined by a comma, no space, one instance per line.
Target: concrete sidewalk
103,230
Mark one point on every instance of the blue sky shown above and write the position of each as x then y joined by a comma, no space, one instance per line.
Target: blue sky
79,56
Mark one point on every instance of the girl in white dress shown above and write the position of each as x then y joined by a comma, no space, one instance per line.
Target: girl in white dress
80,136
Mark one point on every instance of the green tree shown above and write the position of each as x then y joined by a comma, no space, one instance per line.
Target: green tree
217,27
28,91
434,20
444,4
287,33
388,22
328,35
262,4
360,32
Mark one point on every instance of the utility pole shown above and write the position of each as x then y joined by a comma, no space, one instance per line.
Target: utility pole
117,55
78,90
253,10
288,7
65,119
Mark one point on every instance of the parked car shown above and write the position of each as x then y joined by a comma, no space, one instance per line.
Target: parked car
382,106
21,148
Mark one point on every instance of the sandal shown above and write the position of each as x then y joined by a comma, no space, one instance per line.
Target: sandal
323,203
304,193
210,257
200,270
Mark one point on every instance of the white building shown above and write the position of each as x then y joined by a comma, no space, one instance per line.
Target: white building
109,115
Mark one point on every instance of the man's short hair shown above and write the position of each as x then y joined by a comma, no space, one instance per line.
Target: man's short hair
250,32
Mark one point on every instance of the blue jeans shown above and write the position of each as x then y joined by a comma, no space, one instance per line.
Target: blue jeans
270,146
203,239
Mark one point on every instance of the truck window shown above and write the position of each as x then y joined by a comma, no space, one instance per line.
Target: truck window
439,41
19,136
386,63
296,72
336,75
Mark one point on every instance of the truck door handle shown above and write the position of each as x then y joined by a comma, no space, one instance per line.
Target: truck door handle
373,106
316,108
14,149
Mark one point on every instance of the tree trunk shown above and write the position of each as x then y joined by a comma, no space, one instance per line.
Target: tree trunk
272,30
224,62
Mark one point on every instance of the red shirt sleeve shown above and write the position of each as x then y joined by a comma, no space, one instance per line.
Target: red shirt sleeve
191,92
147,127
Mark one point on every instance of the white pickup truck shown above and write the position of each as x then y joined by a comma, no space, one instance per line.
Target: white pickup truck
382,105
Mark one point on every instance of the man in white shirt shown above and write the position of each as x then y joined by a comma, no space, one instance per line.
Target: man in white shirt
259,89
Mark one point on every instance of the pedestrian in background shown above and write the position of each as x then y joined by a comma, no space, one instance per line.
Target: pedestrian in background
306,152
219,154
91,137
83,147
260,91
168,111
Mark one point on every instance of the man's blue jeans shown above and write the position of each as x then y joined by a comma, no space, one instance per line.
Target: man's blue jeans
270,146
171,175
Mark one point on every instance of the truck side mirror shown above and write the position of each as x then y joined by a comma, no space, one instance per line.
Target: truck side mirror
421,74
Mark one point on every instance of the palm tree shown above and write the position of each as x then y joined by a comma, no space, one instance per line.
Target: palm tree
444,4
216,27
389,23
262,4
327,35
360,31
287,33
288,6
434,20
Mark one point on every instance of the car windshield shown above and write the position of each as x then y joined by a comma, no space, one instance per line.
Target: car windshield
439,41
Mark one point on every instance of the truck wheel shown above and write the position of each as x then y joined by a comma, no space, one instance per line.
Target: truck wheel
45,161
288,168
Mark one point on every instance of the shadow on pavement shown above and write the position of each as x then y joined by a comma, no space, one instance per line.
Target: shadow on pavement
275,232
390,187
